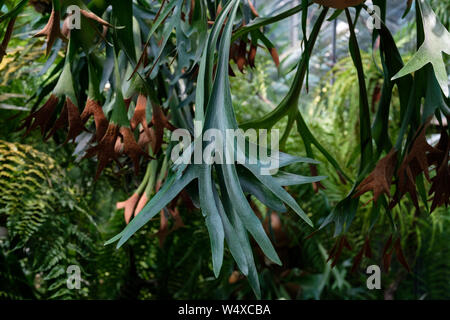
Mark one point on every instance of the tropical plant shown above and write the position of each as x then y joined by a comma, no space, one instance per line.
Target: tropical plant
141,69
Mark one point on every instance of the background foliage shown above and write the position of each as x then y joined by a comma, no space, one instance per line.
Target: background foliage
53,213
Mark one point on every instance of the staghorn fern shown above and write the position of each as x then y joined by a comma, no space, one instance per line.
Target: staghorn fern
47,229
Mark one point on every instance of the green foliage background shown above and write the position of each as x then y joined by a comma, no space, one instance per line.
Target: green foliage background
56,215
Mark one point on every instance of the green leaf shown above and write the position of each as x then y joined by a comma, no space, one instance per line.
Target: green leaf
14,12
264,21
290,101
392,62
220,116
290,179
245,244
167,30
365,133
204,79
309,139
122,15
342,215
253,186
119,114
232,237
211,214
436,42
242,237
171,188
273,186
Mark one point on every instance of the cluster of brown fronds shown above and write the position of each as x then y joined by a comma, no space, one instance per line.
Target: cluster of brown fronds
111,140
421,158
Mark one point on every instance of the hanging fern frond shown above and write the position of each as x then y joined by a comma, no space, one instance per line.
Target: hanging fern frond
44,220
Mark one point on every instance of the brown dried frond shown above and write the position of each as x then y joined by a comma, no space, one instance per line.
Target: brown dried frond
387,254
75,124
129,206
316,185
240,57
406,184
41,117
105,149
252,8
163,228
159,122
365,251
400,256
144,140
51,30
131,148
252,55
140,115
389,248
141,204
275,57
92,16
417,157
441,150
379,180
337,249
191,11
60,122
6,38
175,213
414,163
93,108
440,185
69,115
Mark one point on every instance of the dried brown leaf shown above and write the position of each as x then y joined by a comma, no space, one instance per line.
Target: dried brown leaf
41,118
399,253
252,55
140,115
131,148
93,108
379,180
51,30
316,185
129,206
104,150
75,124
440,186
159,122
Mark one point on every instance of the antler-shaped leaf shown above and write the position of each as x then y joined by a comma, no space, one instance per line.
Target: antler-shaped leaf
140,115
228,214
93,108
41,117
379,181
52,29
437,41
105,149
131,148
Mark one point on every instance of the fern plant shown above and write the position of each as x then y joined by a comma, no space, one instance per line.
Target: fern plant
48,227
142,69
